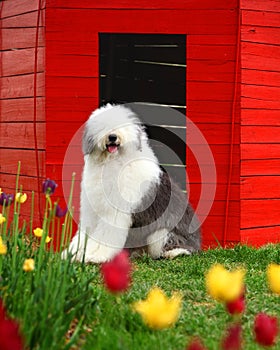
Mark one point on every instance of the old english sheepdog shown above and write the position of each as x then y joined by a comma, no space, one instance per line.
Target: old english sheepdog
127,199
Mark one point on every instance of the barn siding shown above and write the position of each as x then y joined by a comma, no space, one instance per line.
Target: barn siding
19,38
260,122
72,84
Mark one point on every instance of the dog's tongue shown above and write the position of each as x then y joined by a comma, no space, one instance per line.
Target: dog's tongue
112,149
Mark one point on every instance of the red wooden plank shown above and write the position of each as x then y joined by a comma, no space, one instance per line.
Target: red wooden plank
210,70
74,45
22,86
250,101
17,7
223,53
209,91
258,77
260,134
259,236
21,135
260,187
217,134
24,20
142,21
57,105
22,61
74,66
220,195
71,86
194,174
22,109
260,167
21,38
213,231
220,39
261,18
11,157
258,151
260,5
144,4
259,56
267,93
218,208
260,117
260,213
264,35
203,111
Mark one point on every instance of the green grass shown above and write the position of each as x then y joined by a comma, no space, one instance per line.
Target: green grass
58,294
64,305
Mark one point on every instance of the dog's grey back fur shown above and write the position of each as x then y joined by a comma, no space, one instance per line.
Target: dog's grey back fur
165,207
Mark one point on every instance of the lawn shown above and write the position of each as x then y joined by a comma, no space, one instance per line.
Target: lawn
64,305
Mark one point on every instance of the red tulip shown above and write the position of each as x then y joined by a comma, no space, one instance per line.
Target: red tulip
9,333
233,339
196,344
117,272
266,329
236,306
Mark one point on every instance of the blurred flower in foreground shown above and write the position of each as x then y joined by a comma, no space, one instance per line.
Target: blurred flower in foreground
49,186
237,306
6,199
21,197
117,272
59,212
38,232
273,277
3,247
158,311
233,338
266,329
10,338
28,265
196,344
223,285
2,219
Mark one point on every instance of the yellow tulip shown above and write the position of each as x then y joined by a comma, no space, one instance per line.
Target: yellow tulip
21,197
48,239
2,219
273,277
223,285
38,232
28,265
158,311
3,247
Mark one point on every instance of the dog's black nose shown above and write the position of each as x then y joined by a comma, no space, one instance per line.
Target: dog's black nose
112,137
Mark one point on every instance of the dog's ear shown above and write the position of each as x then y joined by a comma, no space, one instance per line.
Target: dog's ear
88,142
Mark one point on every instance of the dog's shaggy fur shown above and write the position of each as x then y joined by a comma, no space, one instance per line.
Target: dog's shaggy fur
127,199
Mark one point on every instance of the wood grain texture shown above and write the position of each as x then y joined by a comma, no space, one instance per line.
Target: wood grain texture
259,187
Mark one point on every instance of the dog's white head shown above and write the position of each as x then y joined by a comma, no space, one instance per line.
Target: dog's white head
111,130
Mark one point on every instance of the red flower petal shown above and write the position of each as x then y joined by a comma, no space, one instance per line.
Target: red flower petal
236,306
266,329
233,339
196,344
116,273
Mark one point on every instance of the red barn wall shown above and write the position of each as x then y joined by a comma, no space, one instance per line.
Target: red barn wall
260,121
22,93
72,83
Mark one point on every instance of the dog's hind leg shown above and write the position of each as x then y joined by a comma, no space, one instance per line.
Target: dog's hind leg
156,242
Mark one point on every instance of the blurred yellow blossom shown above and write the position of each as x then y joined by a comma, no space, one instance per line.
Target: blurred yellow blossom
158,311
1,190
38,232
273,277
48,239
3,247
223,285
2,219
28,265
21,197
